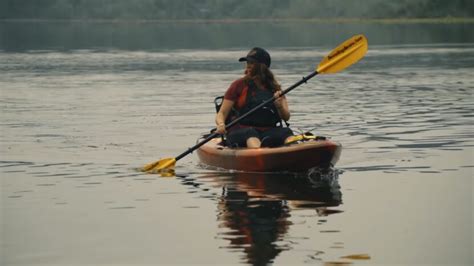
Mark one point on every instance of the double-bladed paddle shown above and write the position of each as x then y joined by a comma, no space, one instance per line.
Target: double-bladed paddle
346,54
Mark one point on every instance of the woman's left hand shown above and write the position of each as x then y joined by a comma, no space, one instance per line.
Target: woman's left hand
282,105
278,100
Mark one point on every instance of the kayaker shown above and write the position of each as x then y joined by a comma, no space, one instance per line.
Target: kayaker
258,84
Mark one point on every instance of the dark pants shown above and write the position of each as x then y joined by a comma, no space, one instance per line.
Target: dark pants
272,137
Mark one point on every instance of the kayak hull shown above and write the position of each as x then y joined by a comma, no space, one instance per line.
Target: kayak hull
299,157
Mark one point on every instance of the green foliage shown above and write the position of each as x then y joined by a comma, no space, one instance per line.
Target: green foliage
232,9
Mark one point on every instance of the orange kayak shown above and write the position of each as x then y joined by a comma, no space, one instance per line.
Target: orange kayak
297,157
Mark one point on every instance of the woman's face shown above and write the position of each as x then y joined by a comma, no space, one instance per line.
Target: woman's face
250,68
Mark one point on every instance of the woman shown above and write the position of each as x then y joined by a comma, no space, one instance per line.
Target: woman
258,84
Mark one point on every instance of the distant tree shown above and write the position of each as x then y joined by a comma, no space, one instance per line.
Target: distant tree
220,9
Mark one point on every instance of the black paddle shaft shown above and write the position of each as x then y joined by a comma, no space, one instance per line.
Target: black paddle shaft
237,120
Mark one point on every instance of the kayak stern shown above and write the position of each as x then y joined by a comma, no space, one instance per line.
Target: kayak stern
299,157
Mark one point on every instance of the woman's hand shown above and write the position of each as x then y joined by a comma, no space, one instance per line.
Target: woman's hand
220,128
282,105
222,116
278,100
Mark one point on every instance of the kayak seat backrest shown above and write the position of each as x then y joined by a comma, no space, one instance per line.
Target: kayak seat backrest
218,103
233,113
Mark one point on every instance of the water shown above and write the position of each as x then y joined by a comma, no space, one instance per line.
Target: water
78,118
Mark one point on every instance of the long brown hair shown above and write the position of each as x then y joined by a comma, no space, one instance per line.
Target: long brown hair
263,74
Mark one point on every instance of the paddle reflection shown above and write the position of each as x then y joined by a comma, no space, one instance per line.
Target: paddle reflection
254,209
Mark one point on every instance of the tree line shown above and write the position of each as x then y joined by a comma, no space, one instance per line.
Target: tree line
232,9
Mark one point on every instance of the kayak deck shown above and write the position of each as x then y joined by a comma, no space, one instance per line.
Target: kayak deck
298,157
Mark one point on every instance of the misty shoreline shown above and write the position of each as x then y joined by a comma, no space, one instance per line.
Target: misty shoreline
437,20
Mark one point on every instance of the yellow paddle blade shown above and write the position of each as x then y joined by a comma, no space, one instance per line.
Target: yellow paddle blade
357,257
161,165
346,54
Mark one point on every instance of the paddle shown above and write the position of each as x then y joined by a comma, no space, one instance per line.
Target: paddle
346,54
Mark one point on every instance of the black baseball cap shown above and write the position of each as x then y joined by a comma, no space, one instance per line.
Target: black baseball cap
257,55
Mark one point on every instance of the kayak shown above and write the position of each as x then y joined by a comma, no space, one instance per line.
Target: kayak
296,157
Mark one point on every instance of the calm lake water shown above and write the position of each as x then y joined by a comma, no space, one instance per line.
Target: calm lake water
84,105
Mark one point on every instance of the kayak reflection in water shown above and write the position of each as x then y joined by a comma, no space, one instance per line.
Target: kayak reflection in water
263,128
255,209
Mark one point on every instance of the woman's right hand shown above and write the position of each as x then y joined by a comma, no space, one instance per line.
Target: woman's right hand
222,115
220,128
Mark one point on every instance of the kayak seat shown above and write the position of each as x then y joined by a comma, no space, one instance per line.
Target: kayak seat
218,103
234,113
